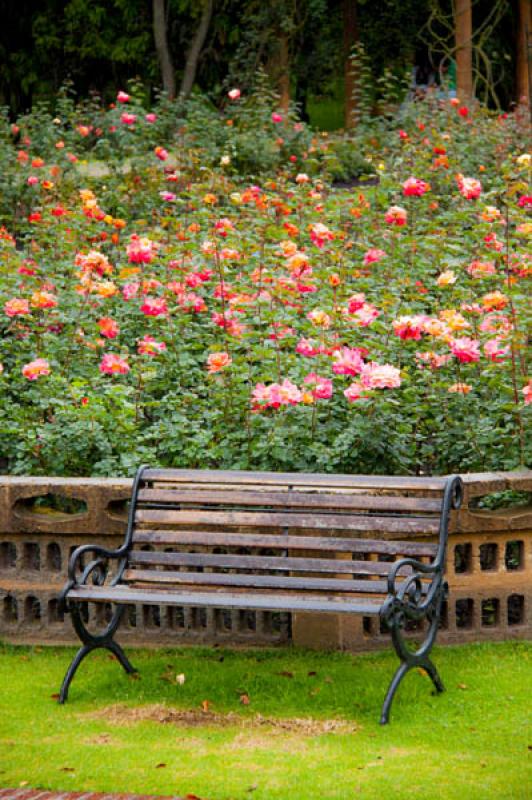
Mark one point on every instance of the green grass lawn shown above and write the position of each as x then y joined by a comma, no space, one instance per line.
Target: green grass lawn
310,729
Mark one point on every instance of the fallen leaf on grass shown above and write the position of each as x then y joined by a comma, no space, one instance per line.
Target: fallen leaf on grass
160,766
462,685
423,672
285,674
172,678
134,676
311,674
244,699
23,783
55,696
205,706
67,769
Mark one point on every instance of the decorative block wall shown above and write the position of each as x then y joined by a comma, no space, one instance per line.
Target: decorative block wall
489,570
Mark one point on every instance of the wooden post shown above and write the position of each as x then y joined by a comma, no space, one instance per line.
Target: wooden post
463,24
523,57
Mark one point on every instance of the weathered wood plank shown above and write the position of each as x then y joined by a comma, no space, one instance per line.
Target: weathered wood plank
352,522
383,482
291,499
223,599
224,561
335,585
274,541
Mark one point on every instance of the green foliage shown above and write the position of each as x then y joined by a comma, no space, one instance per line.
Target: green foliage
340,162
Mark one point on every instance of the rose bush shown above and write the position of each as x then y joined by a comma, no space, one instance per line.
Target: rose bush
176,287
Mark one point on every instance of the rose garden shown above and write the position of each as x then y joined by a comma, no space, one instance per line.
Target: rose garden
225,288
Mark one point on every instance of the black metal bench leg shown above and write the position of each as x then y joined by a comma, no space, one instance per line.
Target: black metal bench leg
94,642
117,651
433,674
394,685
71,671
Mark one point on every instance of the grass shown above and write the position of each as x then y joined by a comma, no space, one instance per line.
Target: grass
320,738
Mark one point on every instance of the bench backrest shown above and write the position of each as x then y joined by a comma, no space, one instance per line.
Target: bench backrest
332,533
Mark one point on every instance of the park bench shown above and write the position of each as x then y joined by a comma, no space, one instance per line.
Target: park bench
278,542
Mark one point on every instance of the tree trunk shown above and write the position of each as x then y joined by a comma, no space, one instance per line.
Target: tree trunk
283,82
161,46
191,65
524,40
350,39
463,26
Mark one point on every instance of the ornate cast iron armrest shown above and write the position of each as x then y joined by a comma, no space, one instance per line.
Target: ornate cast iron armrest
417,566
405,592
96,570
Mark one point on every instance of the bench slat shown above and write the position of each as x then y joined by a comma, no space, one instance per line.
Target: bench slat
225,561
335,585
382,482
273,541
288,520
223,599
287,499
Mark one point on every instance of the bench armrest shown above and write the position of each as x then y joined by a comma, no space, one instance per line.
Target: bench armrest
102,555
96,570
408,597
418,568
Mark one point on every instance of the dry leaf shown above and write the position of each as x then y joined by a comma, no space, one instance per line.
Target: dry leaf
67,769
160,766
311,674
285,674
23,783
462,686
244,699
205,706
55,696
180,679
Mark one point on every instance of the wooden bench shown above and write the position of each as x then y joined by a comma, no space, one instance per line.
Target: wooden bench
289,542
